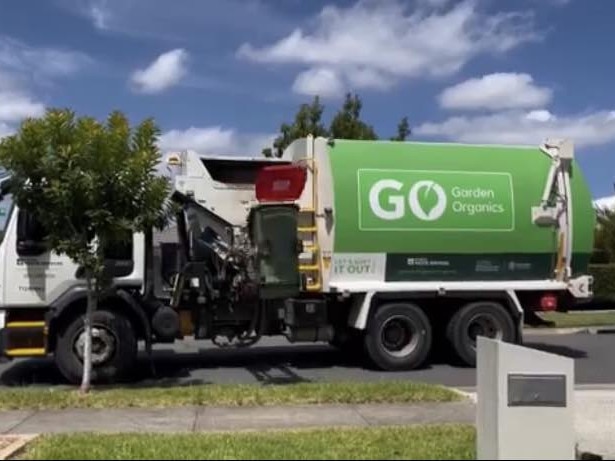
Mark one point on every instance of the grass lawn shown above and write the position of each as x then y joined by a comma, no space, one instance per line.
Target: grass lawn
411,442
580,319
228,395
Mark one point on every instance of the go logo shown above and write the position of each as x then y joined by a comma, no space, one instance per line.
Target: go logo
426,199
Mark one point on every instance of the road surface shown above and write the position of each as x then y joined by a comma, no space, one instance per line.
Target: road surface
276,361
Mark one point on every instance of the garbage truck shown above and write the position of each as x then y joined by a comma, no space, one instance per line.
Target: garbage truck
380,248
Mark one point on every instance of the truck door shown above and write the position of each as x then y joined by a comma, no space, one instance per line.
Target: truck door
35,276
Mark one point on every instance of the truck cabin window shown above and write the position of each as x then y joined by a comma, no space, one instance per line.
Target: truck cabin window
30,235
31,240
122,250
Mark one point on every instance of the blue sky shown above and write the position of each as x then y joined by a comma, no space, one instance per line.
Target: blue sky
221,75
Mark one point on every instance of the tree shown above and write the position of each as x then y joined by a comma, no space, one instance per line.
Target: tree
347,123
307,121
89,185
403,130
604,241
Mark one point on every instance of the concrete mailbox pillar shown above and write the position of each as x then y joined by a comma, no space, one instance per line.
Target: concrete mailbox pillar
525,403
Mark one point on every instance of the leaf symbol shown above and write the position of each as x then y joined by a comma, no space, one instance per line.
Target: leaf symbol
428,199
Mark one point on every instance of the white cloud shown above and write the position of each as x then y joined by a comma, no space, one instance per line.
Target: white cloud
215,140
166,71
520,127
40,63
209,139
435,3
605,202
174,21
388,43
541,115
100,14
8,81
16,106
16,103
318,81
369,78
553,2
5,130
22,69
496,91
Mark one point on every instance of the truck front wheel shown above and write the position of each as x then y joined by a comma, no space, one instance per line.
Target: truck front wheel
398,337
483,318
114,348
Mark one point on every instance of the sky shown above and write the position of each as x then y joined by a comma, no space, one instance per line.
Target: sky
220,76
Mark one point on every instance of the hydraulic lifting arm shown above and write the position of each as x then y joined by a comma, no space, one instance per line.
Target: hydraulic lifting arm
556,203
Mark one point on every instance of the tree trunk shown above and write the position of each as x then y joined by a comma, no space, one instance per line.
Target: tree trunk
87,352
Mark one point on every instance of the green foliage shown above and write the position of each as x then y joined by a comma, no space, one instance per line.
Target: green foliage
232,395
604,280
345,124
307,121
81,178
403,130
604,237
429,441
602,266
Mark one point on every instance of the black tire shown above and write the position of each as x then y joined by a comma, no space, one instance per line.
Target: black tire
115,365
482,318
410,326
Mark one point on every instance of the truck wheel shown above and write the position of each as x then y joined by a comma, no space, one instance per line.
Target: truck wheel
482,318
398,337
114,348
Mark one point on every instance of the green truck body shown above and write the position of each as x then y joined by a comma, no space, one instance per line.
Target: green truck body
417,211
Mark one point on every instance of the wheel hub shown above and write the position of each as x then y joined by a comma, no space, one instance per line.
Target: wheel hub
399,336
484,325
103,345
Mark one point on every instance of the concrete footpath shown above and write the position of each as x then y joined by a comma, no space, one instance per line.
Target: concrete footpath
197,419
594,420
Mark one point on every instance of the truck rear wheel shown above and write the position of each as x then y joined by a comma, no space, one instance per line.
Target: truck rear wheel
483,318
398,337
114,348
